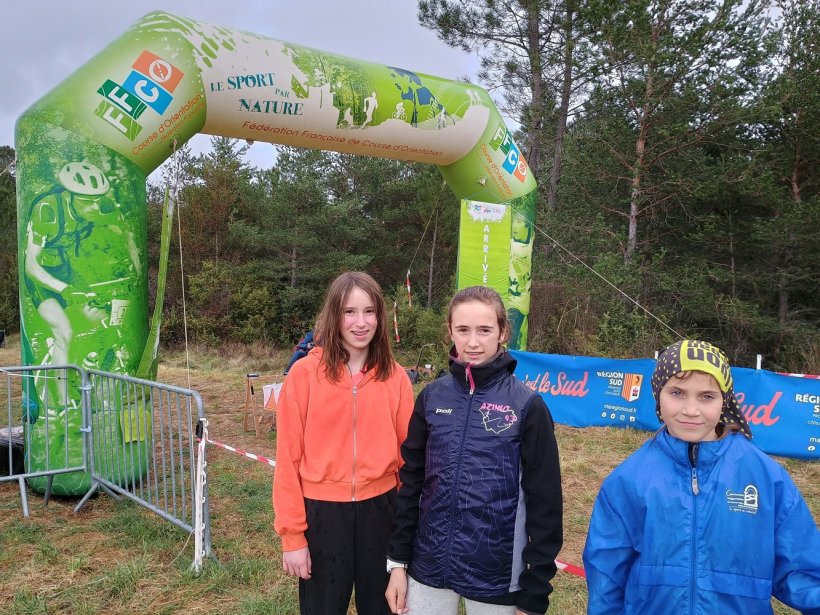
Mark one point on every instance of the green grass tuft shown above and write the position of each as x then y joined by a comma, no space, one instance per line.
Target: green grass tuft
122,581
27,603
134,527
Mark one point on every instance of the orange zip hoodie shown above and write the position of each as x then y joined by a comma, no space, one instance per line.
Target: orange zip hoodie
335,442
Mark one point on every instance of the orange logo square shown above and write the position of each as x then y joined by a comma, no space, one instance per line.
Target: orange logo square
160,71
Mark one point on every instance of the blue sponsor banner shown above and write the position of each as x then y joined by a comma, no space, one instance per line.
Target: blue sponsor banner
591,391
783,411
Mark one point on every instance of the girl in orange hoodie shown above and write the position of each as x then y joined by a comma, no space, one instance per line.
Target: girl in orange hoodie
342,417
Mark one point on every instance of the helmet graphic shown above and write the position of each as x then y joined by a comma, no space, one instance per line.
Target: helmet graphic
83,178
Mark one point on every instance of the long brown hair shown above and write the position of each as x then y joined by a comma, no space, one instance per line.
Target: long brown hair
328,327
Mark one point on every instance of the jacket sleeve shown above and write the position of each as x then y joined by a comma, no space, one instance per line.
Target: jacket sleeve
541,483
796,579
608,557
290,519
403,414
411,476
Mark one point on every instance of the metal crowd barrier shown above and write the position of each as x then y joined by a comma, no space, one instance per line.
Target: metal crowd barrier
35,430
134,438
143,439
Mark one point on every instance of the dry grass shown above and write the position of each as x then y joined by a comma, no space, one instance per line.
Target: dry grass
114,558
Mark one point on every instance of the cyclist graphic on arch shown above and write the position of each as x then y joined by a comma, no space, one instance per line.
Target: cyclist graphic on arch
60,236
444,118
416,93
399,113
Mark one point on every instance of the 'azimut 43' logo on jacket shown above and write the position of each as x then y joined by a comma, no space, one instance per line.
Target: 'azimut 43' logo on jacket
497,417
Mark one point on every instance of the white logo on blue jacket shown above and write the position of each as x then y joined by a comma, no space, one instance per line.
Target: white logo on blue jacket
745,502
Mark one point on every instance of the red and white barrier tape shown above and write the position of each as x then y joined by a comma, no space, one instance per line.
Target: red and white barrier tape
812,376
572,569
238,451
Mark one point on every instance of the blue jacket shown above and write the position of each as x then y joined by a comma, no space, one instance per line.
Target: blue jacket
721,535
479,509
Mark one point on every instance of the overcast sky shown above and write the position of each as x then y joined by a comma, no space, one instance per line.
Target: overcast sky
44,41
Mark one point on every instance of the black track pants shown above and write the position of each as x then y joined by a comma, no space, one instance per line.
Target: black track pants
348,546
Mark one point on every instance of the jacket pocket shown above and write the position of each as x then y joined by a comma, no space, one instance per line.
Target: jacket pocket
736,584
674,576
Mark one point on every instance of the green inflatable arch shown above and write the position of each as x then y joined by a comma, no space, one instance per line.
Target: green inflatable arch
85,149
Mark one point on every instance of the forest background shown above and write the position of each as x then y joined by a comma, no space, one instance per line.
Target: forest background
676,144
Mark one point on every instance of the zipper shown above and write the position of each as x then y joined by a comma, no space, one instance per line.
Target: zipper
469,378
355,450
693,458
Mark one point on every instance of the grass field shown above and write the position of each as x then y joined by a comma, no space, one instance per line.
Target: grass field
116,558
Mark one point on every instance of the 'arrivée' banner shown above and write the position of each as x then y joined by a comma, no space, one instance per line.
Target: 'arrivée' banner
783,411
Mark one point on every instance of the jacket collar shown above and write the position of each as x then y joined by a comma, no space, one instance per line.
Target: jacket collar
316,353
708,452
502,362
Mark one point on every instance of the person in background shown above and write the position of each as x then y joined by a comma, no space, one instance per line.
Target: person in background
479,511
301,350
699,520
343,414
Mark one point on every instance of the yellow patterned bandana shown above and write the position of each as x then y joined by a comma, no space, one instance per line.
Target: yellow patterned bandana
694,355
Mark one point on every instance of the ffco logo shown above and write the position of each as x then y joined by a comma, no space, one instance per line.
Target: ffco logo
149,84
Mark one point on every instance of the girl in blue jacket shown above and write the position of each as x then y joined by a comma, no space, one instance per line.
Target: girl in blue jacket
699,520
478,514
